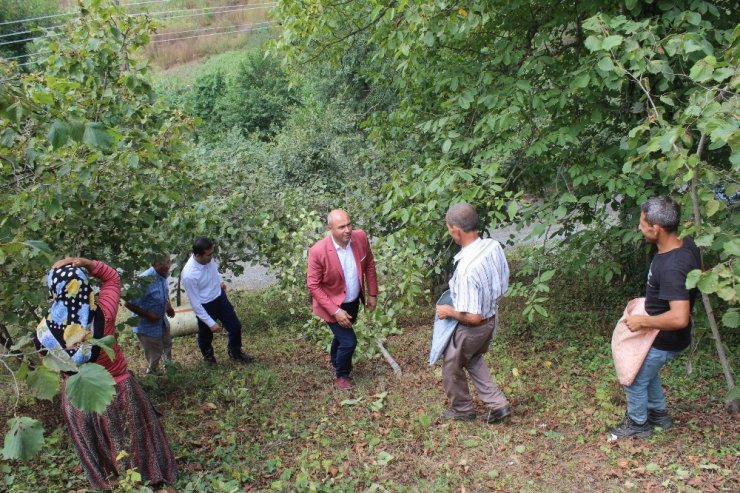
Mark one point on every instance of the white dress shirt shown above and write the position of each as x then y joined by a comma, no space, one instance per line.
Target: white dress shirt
349,267
202,284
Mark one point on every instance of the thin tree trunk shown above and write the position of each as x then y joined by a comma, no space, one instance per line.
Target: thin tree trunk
389,358
735,405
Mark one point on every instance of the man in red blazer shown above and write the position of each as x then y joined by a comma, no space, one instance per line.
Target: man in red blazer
339,268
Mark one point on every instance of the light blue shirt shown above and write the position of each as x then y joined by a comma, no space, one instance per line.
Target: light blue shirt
349,267
154,299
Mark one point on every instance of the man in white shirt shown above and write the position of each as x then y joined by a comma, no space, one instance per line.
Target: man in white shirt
207,294
481,277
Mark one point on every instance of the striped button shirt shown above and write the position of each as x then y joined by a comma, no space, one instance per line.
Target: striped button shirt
481,277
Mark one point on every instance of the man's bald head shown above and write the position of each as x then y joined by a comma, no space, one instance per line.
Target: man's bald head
463,216
337,215
340,226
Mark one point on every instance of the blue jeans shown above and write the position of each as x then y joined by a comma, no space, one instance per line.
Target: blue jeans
345,341
222,310
646,391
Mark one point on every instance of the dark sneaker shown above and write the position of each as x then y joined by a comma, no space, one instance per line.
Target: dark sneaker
496,415
451,414
241,357
660,418
629,428
344,383
209,357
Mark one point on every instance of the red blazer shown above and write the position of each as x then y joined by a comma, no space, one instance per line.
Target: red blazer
325,278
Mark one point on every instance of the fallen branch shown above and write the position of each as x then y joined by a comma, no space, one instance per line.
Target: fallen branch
389,358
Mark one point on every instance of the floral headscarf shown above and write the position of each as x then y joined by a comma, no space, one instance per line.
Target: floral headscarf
70,320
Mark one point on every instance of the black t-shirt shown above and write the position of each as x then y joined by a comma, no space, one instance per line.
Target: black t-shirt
667,282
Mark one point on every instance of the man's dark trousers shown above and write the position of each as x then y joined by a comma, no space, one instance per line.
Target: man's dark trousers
345,341
222,310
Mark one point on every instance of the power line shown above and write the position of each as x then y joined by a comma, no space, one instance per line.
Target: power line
203,29
35,18
51,16
260,26
143,3
214,10
35,29
263,26
211,13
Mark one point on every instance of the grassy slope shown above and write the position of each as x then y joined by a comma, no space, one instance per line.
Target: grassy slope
279,424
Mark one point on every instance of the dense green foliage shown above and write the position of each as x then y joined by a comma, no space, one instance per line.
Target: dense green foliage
91,165
256,99
591,106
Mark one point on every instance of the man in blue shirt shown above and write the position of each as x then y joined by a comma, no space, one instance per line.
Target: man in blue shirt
153,329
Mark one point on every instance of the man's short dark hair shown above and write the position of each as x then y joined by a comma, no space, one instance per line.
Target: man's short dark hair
663,211
201,244
463,216
158,258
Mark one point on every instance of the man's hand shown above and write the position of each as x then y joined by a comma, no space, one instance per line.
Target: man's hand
445,311
372,302
215,327
343,319
635,323
170,311
223,286
152,316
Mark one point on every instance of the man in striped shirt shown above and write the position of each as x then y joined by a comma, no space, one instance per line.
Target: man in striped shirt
481,277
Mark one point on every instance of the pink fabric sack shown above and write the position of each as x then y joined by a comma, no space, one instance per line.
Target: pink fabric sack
629,349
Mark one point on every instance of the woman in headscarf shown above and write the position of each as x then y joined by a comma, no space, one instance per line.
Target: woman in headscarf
130,423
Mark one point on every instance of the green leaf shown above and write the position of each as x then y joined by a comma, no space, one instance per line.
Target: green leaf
693,18
106,344
593,43
709,282
731,319
520,449
58,134
384,458
606,64
24,440
580,81
43,383
91,389
512,209
59,360
692,278
612,42
732,247
97,135
39,246
704,240
446,146
711,207
702,71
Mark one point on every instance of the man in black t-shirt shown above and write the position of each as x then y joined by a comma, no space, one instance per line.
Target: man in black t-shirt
668,304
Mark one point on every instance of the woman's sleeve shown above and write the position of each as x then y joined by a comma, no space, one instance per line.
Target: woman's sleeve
110,290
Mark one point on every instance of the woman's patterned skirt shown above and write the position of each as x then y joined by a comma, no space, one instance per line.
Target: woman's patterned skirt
126,435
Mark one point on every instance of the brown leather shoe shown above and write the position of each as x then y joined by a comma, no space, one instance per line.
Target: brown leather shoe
496,415
344,383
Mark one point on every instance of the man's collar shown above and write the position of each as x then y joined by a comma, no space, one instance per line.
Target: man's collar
464,249
337,246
